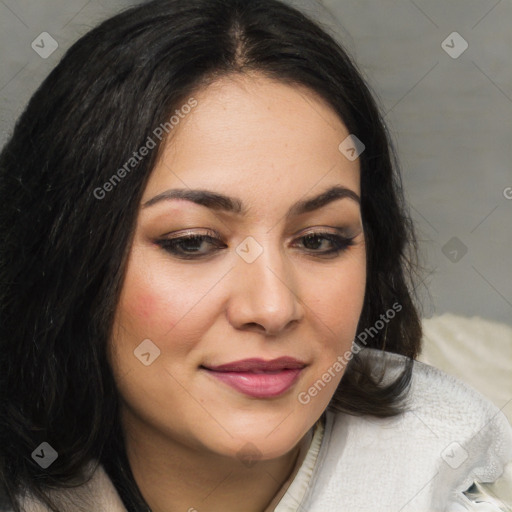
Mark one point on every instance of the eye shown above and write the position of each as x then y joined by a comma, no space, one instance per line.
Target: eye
189,246
338,243
195,245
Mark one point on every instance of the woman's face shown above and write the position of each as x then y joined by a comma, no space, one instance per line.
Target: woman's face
256,286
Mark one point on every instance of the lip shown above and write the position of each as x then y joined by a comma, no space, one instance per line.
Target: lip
259,378
259,365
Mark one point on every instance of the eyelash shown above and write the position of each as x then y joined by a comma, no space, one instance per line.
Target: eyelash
171,245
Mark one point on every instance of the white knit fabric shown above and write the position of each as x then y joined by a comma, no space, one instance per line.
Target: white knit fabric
420,461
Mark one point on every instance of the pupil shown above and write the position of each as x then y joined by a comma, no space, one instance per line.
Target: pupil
309,238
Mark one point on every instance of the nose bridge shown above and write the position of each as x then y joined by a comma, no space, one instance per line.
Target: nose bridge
266,290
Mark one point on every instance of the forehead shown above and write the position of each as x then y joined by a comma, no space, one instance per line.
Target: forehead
259,137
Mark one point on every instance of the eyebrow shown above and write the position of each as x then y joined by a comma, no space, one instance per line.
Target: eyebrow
220,202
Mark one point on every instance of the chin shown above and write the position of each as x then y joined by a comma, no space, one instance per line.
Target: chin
259,441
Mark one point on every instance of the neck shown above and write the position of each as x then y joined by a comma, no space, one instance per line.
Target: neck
173,476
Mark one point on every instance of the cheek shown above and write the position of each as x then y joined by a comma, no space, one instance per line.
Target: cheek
144,306
151,302
339,304
161,304
337,311
145,310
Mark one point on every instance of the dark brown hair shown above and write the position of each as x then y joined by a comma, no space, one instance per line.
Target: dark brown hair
63,252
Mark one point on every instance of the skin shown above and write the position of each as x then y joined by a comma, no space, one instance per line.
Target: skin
270,145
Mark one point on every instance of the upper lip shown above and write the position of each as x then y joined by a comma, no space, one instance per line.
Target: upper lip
255,364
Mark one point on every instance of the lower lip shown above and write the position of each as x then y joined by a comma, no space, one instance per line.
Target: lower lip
259,385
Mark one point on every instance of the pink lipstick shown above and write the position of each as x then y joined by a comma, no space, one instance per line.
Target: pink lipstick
259,378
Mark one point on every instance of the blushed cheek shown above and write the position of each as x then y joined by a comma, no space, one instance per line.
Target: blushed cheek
153,313
144,306
142,312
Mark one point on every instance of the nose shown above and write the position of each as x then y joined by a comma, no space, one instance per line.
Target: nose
265,294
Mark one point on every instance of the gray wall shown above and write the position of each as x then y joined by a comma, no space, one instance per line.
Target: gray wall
450,117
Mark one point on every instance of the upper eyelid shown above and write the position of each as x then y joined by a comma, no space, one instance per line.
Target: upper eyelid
325,234
216,241
209,233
